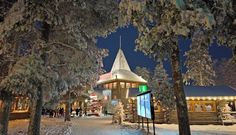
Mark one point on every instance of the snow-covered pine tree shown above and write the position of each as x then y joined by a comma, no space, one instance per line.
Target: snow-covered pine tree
79,21
162,87
226,72
199,64
160,23
118,116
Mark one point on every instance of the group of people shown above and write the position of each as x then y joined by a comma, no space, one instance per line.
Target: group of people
78,112
59,112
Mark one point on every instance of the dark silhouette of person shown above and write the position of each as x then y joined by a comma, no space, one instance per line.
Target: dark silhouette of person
77,111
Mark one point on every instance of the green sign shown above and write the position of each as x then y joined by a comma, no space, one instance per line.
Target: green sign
143,88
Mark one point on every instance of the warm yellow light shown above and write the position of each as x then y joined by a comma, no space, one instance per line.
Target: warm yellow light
214,98
209,98
226,98
187,98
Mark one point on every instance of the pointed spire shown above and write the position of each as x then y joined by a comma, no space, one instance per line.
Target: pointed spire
120,61
120,42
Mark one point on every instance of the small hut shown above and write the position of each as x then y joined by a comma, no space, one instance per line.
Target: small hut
120,78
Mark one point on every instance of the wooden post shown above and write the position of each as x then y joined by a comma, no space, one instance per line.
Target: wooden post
142,123
153,124
147,126
138,122
119,91
132,108
153,114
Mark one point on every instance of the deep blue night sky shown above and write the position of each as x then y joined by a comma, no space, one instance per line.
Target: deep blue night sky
129,34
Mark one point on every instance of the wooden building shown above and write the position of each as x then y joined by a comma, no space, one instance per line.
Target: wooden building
120,78
206,105
19,109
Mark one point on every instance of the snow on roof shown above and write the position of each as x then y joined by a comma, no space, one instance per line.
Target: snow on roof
203,91
199,91
122,74
120,71
120,62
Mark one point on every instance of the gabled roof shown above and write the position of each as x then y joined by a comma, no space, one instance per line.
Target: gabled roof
199,91
120,62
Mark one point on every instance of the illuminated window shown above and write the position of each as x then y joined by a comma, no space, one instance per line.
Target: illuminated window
208,107
157,106
110,86
201,106
127,85
114,85
106,86
122,84
134,85
20,104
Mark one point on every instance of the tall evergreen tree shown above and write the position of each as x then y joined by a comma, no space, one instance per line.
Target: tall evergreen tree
160,23
79,22
226,72
199,63
160,84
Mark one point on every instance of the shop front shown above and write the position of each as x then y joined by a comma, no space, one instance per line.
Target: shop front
19,108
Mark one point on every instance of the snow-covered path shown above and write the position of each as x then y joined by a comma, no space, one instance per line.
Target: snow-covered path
103,126
172,129
100,126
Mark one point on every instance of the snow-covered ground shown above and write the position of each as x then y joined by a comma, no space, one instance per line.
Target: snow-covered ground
103,126
49,126
172,129
100,126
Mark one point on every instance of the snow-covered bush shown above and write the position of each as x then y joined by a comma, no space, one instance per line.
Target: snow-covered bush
118,116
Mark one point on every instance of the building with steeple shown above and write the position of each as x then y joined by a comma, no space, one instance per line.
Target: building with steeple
120,78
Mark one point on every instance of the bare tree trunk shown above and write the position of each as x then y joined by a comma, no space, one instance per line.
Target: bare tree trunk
182,112
35,114
7,101
68,107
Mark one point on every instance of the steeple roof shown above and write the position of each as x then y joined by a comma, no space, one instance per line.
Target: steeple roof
120,62
120,71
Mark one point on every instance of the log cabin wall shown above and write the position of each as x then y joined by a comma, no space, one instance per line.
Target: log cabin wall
198,118
200,112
